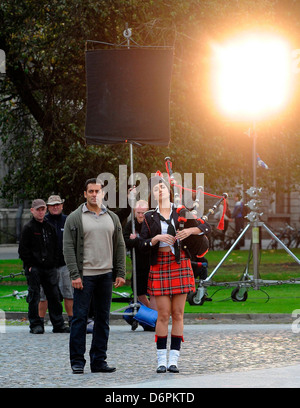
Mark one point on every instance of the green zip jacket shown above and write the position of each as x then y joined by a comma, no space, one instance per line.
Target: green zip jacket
73,245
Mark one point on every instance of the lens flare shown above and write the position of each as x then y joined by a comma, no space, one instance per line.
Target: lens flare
252,75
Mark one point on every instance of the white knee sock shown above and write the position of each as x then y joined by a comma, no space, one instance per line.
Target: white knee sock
161,357
173,357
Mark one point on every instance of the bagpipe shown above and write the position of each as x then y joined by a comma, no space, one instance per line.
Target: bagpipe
196,246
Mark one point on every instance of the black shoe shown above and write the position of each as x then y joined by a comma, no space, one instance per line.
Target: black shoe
37,330
161,369
149,328
105,369
63,329
77,369
134,325
173,369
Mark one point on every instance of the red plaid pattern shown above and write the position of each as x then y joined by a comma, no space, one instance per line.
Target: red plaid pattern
168,277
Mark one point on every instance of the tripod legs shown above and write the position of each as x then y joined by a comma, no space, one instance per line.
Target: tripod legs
228,252
256,253
197,298
240,293
281,243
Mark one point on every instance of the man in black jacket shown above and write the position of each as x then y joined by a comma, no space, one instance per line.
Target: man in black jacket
56,218
38,251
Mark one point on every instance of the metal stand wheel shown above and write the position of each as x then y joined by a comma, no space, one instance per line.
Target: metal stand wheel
196,298
239,294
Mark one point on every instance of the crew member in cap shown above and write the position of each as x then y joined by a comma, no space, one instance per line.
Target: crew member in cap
39,253
56,218
171,276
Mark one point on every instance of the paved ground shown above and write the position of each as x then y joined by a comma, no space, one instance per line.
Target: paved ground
256,352
213,355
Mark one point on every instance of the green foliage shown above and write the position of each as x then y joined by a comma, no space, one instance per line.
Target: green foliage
43,95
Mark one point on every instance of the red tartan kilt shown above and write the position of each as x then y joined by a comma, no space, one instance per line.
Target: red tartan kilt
168,277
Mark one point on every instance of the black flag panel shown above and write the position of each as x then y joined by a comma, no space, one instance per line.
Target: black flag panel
128,96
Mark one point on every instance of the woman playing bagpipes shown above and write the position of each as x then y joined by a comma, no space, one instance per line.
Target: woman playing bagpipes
171,276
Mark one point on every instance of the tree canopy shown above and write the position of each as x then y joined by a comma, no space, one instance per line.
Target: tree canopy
43,94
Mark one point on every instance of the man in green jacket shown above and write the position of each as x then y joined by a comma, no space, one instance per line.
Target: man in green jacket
95,255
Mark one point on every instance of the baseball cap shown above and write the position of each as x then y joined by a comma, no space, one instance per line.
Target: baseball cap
38,203
55,199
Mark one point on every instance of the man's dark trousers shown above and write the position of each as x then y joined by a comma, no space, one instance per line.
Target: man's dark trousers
47,277
100,286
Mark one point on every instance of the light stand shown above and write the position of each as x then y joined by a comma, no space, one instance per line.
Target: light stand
255,226
252,79
123,107
135,305
240,293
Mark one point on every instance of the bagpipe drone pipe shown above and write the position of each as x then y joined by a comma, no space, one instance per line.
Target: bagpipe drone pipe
195,246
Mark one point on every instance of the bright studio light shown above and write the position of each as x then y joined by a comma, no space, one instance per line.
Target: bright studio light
252,75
